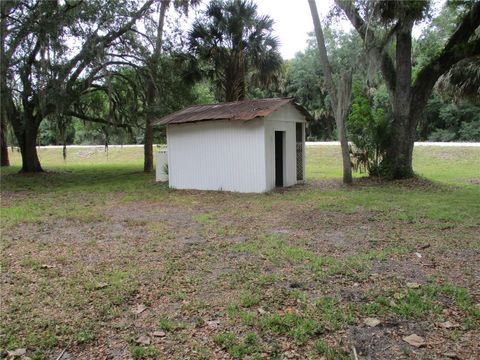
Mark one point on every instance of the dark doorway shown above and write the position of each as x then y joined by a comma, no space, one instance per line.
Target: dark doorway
279,158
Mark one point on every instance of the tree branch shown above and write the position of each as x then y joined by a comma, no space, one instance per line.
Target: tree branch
95,43
96,119
375,50
457,48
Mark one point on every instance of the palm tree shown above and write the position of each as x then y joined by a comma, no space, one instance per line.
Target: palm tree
237,46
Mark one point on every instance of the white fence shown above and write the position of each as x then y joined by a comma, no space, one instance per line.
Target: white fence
426,143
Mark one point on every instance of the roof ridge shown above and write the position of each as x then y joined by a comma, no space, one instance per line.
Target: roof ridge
234,110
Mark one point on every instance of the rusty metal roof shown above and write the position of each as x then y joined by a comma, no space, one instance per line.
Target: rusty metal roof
238,110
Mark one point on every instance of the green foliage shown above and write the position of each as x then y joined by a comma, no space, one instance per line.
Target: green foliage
203,93
446,121
434,36
390,11
369,129
303,82
470,131
304,77
462,82
237,47
54,131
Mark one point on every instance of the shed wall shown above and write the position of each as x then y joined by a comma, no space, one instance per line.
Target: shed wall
217,155
283,119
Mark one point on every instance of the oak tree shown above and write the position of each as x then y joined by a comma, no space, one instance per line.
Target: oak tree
381,23
53,51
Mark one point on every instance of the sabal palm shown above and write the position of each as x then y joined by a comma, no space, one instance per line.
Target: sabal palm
237,46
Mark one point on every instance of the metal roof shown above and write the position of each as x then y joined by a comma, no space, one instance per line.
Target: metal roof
238,110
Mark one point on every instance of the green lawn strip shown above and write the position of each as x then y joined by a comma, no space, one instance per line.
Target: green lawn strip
78,195
445,204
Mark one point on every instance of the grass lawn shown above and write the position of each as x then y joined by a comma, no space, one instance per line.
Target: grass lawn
101,262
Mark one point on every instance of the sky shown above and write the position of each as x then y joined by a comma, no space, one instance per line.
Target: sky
293,22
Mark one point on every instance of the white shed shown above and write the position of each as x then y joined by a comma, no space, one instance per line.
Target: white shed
244,146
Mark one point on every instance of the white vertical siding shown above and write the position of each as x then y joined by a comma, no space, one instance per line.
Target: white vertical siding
161,164
217,155
283,119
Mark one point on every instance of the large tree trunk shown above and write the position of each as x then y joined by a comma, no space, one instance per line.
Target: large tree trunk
148,136
398,158
5,161
148,145
28,148
341,103
152,97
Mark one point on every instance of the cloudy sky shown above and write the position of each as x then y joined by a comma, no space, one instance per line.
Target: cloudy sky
292,21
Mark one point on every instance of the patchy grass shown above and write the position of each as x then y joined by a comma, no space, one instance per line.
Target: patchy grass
289,274
238,348
329,352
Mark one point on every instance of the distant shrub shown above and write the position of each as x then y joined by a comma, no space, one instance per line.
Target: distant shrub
368,127
442,135
470,131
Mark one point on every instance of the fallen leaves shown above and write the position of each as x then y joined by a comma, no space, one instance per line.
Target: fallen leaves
138,309
414,340
448,325
213,324
159,334
413,285
101,285
16,353
372,322
451,355
47,266
144,340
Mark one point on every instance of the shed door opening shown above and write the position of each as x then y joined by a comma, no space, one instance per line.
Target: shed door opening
279,163
299,150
